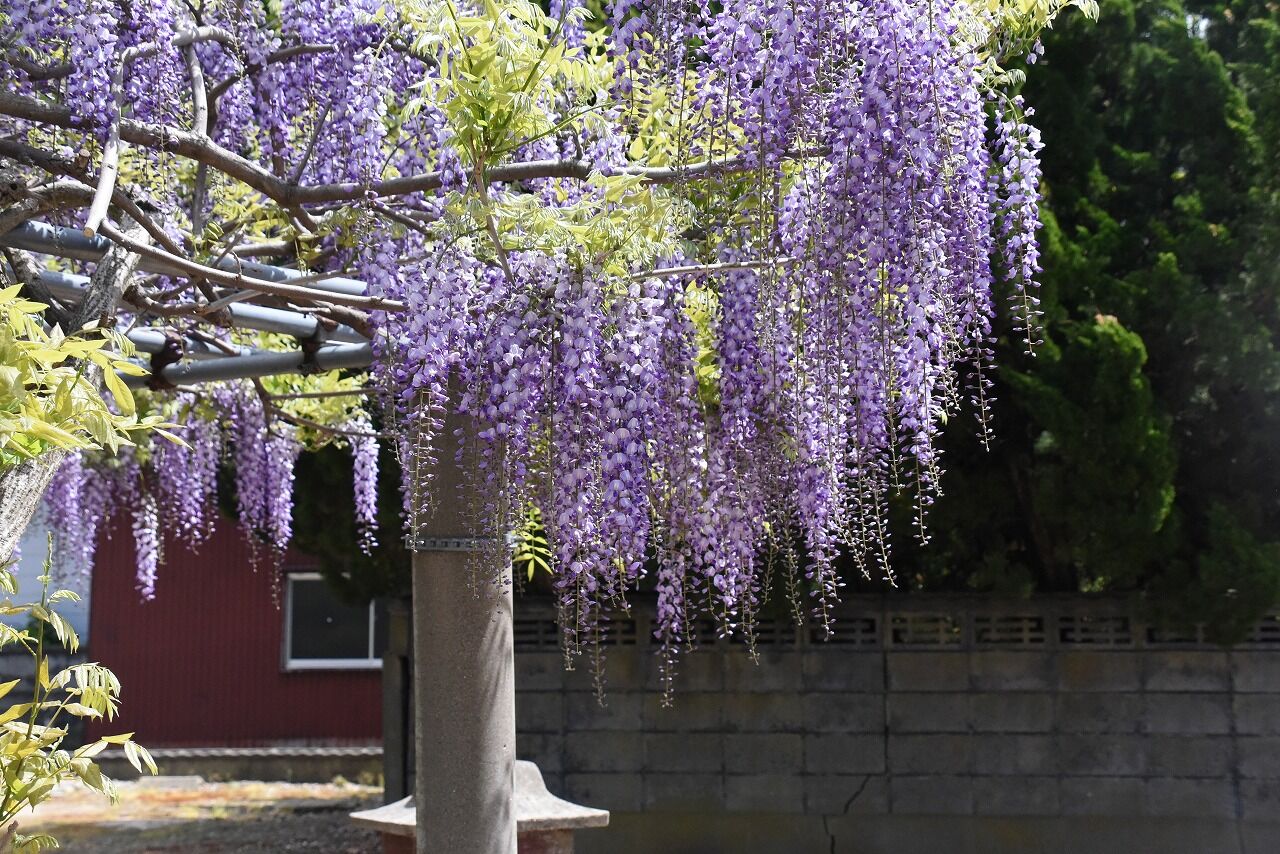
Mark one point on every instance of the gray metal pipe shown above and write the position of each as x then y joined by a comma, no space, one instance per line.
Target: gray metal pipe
70,243
263,364
267,319
152,341
210,363
70,286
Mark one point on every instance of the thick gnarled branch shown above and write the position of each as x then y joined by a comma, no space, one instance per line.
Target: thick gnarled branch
27,274
290,195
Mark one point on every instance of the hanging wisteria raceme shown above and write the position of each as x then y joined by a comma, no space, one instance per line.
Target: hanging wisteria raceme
81,498
186,479
364,459
264,453
66,520
1018,184
82,501
172,493
706,277
147,544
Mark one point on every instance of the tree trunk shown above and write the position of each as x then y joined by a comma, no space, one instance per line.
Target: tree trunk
464,677
22,486
21,489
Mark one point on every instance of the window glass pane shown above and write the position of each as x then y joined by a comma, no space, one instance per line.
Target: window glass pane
323,626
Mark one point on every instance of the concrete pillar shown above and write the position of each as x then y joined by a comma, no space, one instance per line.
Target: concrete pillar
464,679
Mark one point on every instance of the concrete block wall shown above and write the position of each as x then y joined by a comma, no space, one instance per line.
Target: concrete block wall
1050,713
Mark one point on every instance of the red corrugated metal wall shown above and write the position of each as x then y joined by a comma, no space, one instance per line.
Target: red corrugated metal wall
201,664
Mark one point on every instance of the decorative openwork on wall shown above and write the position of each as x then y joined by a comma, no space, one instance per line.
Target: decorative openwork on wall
929,622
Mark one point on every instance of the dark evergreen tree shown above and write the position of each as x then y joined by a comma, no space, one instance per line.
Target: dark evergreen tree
1139,449
325,526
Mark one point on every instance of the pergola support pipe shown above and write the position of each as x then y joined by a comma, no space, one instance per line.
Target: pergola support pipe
70,286
70,243
153,341
263,364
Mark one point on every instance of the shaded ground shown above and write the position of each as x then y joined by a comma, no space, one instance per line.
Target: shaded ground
172,815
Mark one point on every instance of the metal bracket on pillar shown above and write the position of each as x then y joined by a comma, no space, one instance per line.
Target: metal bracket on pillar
449,544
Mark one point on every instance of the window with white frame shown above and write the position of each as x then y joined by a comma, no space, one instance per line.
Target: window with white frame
321,632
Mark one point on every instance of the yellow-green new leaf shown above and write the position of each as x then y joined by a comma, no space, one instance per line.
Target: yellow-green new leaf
14,712
119,391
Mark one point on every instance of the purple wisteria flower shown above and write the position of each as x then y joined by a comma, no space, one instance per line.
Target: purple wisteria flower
745,391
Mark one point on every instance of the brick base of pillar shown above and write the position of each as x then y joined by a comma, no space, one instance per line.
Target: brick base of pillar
533,842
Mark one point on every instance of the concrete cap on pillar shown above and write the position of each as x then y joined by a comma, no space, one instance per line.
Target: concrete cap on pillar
537,810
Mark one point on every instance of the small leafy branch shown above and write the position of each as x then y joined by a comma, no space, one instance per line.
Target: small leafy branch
48,398
530,549
32,757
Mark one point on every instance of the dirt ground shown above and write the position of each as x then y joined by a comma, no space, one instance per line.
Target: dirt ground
181,815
